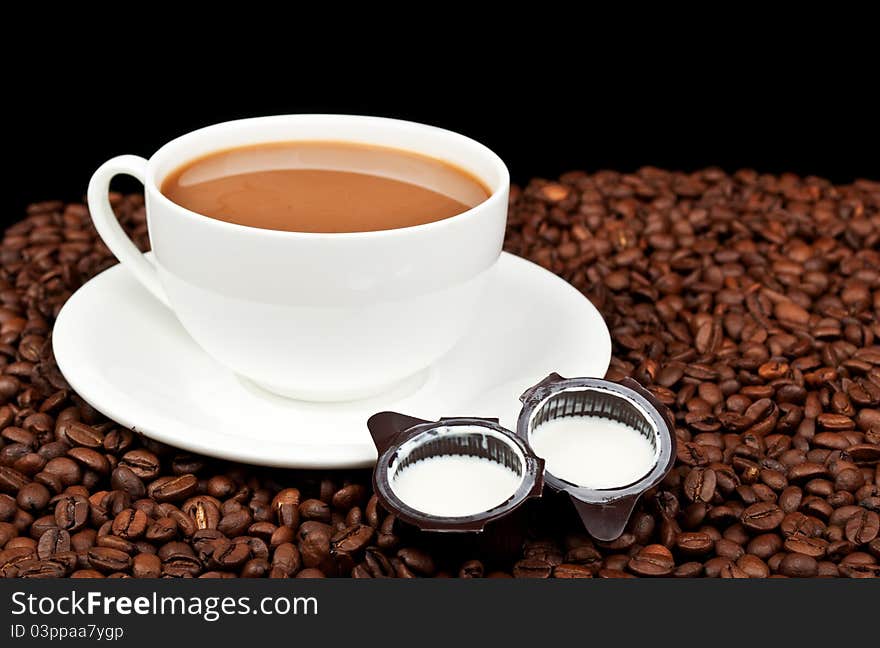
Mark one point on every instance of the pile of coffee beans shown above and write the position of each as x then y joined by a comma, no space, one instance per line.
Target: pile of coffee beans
749,304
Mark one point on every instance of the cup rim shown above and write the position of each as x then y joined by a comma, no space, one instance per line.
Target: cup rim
498,194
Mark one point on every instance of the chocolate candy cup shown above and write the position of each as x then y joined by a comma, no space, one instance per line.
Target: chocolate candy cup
605,511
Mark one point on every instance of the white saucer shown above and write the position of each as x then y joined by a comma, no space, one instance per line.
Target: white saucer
128,356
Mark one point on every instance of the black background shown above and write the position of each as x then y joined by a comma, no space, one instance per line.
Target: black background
544,111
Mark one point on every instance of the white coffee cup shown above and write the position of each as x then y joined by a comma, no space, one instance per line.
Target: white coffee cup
323,317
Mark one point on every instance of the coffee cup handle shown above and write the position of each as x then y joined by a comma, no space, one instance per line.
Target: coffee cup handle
109,228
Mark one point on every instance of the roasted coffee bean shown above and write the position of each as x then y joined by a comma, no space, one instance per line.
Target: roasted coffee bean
263,530
815,547
235,523
860,571
24,521
66,469
105,559
688,570
20,436
71,512
571,571
764,545
714,566
87,573
181,567
642,525
33,497
118,441
314,543
130,524
83,540
585,554
204,543
737,533
124,478
281,535
609,573
800,524
8,507
753,566
348,496
258,548
115,502
858,558
11,557
182,464
843,514
798,565
286,507
790,499
652,560
694,543
286,560
315,509
732,570
30,463
258,568
699,486
761,517
53,541
355,515
728,549
40,569
806,471
115,542
828,569
11,480
625,541
220,486
11,454
231,555
173,549
7,532
864,452
173,489
532,568
380,566
50,481
361,571
142,463
80,434
848,480
22,542
204,511
186,525
546,550
863,527
352,539
418,560
146,566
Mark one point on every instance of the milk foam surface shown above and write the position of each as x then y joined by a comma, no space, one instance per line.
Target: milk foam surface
455,485
593,451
